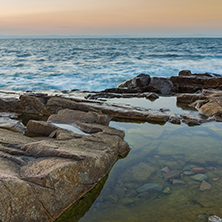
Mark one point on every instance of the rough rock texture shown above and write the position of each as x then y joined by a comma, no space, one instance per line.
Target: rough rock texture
190,98
185,73
212,108
185,82
33,105
68,115
56,104
139,82
145,83
26,104
160,85
207,103
39,128
130,113
41,177
152,96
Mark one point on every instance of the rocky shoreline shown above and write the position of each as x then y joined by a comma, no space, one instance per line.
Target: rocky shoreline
55,146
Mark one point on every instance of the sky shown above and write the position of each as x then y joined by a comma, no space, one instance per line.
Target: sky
145,18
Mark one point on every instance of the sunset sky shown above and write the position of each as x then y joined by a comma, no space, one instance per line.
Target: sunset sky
151,18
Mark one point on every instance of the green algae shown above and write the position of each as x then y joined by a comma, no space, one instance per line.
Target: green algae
77,210
153,147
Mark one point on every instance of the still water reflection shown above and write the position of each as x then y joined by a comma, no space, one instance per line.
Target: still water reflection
181,149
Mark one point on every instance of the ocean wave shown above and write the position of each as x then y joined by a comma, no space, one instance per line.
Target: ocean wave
96,64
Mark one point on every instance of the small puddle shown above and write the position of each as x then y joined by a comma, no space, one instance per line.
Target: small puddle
160,103
70,127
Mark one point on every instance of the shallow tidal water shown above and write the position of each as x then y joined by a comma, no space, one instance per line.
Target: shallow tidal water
116,197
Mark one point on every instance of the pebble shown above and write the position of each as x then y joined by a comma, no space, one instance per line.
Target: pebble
178,182
165,169
205,186
188,173
210,168
167,190
171,175
198,170
199,177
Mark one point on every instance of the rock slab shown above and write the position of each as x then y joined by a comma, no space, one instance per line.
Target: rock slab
40,177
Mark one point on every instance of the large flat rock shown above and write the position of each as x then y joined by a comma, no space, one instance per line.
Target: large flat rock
40,177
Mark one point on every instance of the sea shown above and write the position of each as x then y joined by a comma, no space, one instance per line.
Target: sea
100,63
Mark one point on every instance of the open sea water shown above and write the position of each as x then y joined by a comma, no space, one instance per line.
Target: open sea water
96,64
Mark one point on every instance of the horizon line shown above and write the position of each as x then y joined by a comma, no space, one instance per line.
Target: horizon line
106,36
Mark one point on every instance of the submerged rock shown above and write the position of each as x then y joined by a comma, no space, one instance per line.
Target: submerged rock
198,170
165,169
127,201
171,175
142,171
188,173
199,177
150,187
205,186
166,190
177,182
